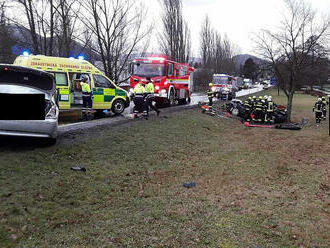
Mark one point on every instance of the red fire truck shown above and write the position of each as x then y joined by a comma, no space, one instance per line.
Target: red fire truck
172,81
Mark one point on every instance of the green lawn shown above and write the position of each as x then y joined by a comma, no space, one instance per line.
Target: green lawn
254,187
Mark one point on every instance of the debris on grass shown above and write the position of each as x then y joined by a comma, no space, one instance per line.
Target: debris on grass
79,168
189,185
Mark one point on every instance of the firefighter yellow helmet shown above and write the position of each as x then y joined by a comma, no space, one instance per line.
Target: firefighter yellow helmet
210,84
260,97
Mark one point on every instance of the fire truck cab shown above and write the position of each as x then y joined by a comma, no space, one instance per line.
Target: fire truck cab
172,81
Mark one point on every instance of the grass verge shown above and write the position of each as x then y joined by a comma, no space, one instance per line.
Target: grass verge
254,187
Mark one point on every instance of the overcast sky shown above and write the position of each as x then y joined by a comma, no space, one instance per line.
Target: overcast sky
239,19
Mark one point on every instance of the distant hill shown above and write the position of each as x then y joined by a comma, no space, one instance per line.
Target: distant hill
22,38
240,59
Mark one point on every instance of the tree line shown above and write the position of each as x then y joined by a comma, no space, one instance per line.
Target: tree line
109,31
114,31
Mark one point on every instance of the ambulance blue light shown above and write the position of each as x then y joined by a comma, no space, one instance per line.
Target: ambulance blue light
26,53
81,57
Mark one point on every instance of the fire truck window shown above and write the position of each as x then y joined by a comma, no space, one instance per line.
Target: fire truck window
170,69
102,82
183,71
148,70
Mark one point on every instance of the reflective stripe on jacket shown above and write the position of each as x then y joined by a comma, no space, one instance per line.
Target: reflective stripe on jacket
210,93
270,107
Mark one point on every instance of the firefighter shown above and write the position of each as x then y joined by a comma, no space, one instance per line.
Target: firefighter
248,104
318,110
259,110
269,109
254,101
324,107
139,101
266,99
86,96
139,89
150,98
210,94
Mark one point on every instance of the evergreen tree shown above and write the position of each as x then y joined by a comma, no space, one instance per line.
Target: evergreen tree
250,69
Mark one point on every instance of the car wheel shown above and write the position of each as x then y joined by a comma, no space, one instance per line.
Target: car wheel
118,107
50,141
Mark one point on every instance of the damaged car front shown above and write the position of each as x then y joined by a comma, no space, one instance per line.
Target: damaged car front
28,103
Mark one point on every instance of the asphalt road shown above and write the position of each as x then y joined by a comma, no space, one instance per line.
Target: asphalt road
127,116
72,132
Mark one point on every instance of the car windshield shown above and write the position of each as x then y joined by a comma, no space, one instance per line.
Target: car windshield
148,70
220,79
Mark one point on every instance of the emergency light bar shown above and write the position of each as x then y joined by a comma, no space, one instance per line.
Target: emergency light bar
26,53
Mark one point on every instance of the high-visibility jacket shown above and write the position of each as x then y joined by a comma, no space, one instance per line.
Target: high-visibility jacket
210,93
247,104
270,106
150,88
85,88
325,103
318,107
139,89
259,105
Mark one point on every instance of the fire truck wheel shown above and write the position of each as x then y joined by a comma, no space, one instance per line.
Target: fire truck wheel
182,101
118,106
185,100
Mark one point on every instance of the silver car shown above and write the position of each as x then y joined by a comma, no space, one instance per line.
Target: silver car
18,115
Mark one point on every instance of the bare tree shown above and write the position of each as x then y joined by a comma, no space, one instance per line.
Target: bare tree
117,28
52,25
30,13
289,47
6,41
175,37
40,24
66,13
216,50
207,39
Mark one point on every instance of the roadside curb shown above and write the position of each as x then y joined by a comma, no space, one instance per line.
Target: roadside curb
119,120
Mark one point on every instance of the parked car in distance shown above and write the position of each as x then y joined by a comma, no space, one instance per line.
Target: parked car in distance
28,103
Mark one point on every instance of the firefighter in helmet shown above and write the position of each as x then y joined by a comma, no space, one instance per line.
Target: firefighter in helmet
86,96
150,97
259,108
139,101
210,94
248,105
270,107
324,107
318,110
